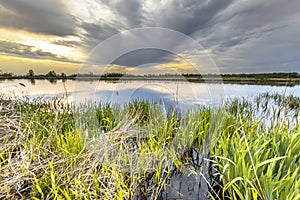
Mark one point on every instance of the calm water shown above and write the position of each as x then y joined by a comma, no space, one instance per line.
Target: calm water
184,93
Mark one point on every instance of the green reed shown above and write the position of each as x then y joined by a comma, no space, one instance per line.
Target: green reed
52,150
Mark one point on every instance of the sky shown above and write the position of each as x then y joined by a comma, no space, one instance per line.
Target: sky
235,36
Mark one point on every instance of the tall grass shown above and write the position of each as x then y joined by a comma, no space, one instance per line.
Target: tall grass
242,150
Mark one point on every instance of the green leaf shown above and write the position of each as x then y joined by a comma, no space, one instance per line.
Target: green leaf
271,160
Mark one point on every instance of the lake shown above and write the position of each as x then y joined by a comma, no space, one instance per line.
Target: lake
186,94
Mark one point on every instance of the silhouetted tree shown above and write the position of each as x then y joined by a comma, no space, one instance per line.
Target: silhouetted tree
51,73
30,73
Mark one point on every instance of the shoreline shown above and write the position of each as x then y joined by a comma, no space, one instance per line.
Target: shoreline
224,80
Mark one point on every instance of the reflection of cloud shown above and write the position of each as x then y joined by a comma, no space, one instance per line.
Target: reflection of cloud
26,51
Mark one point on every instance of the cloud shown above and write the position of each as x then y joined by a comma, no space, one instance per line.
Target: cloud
184,16
95,33
25,51
130,10
141,46
255,36
48,17
67,43
240,35
144,56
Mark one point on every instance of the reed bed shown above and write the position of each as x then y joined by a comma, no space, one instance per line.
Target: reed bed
244,149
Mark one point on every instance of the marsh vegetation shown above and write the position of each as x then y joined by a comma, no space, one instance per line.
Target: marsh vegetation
244,149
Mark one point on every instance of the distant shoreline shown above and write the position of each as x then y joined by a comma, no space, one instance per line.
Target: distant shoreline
204,79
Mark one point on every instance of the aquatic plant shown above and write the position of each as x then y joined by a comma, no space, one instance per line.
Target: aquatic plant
242,150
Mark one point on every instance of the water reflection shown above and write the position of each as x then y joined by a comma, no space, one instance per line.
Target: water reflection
52,80
188,94
32,81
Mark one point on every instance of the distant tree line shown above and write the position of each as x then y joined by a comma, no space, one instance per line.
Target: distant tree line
51,73
264,75
113,75
5,74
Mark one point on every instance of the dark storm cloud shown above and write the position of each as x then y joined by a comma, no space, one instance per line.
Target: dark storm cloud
145,56
141,46
255,36
130,10
26,51
249,20
186,16
47,16
96,33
